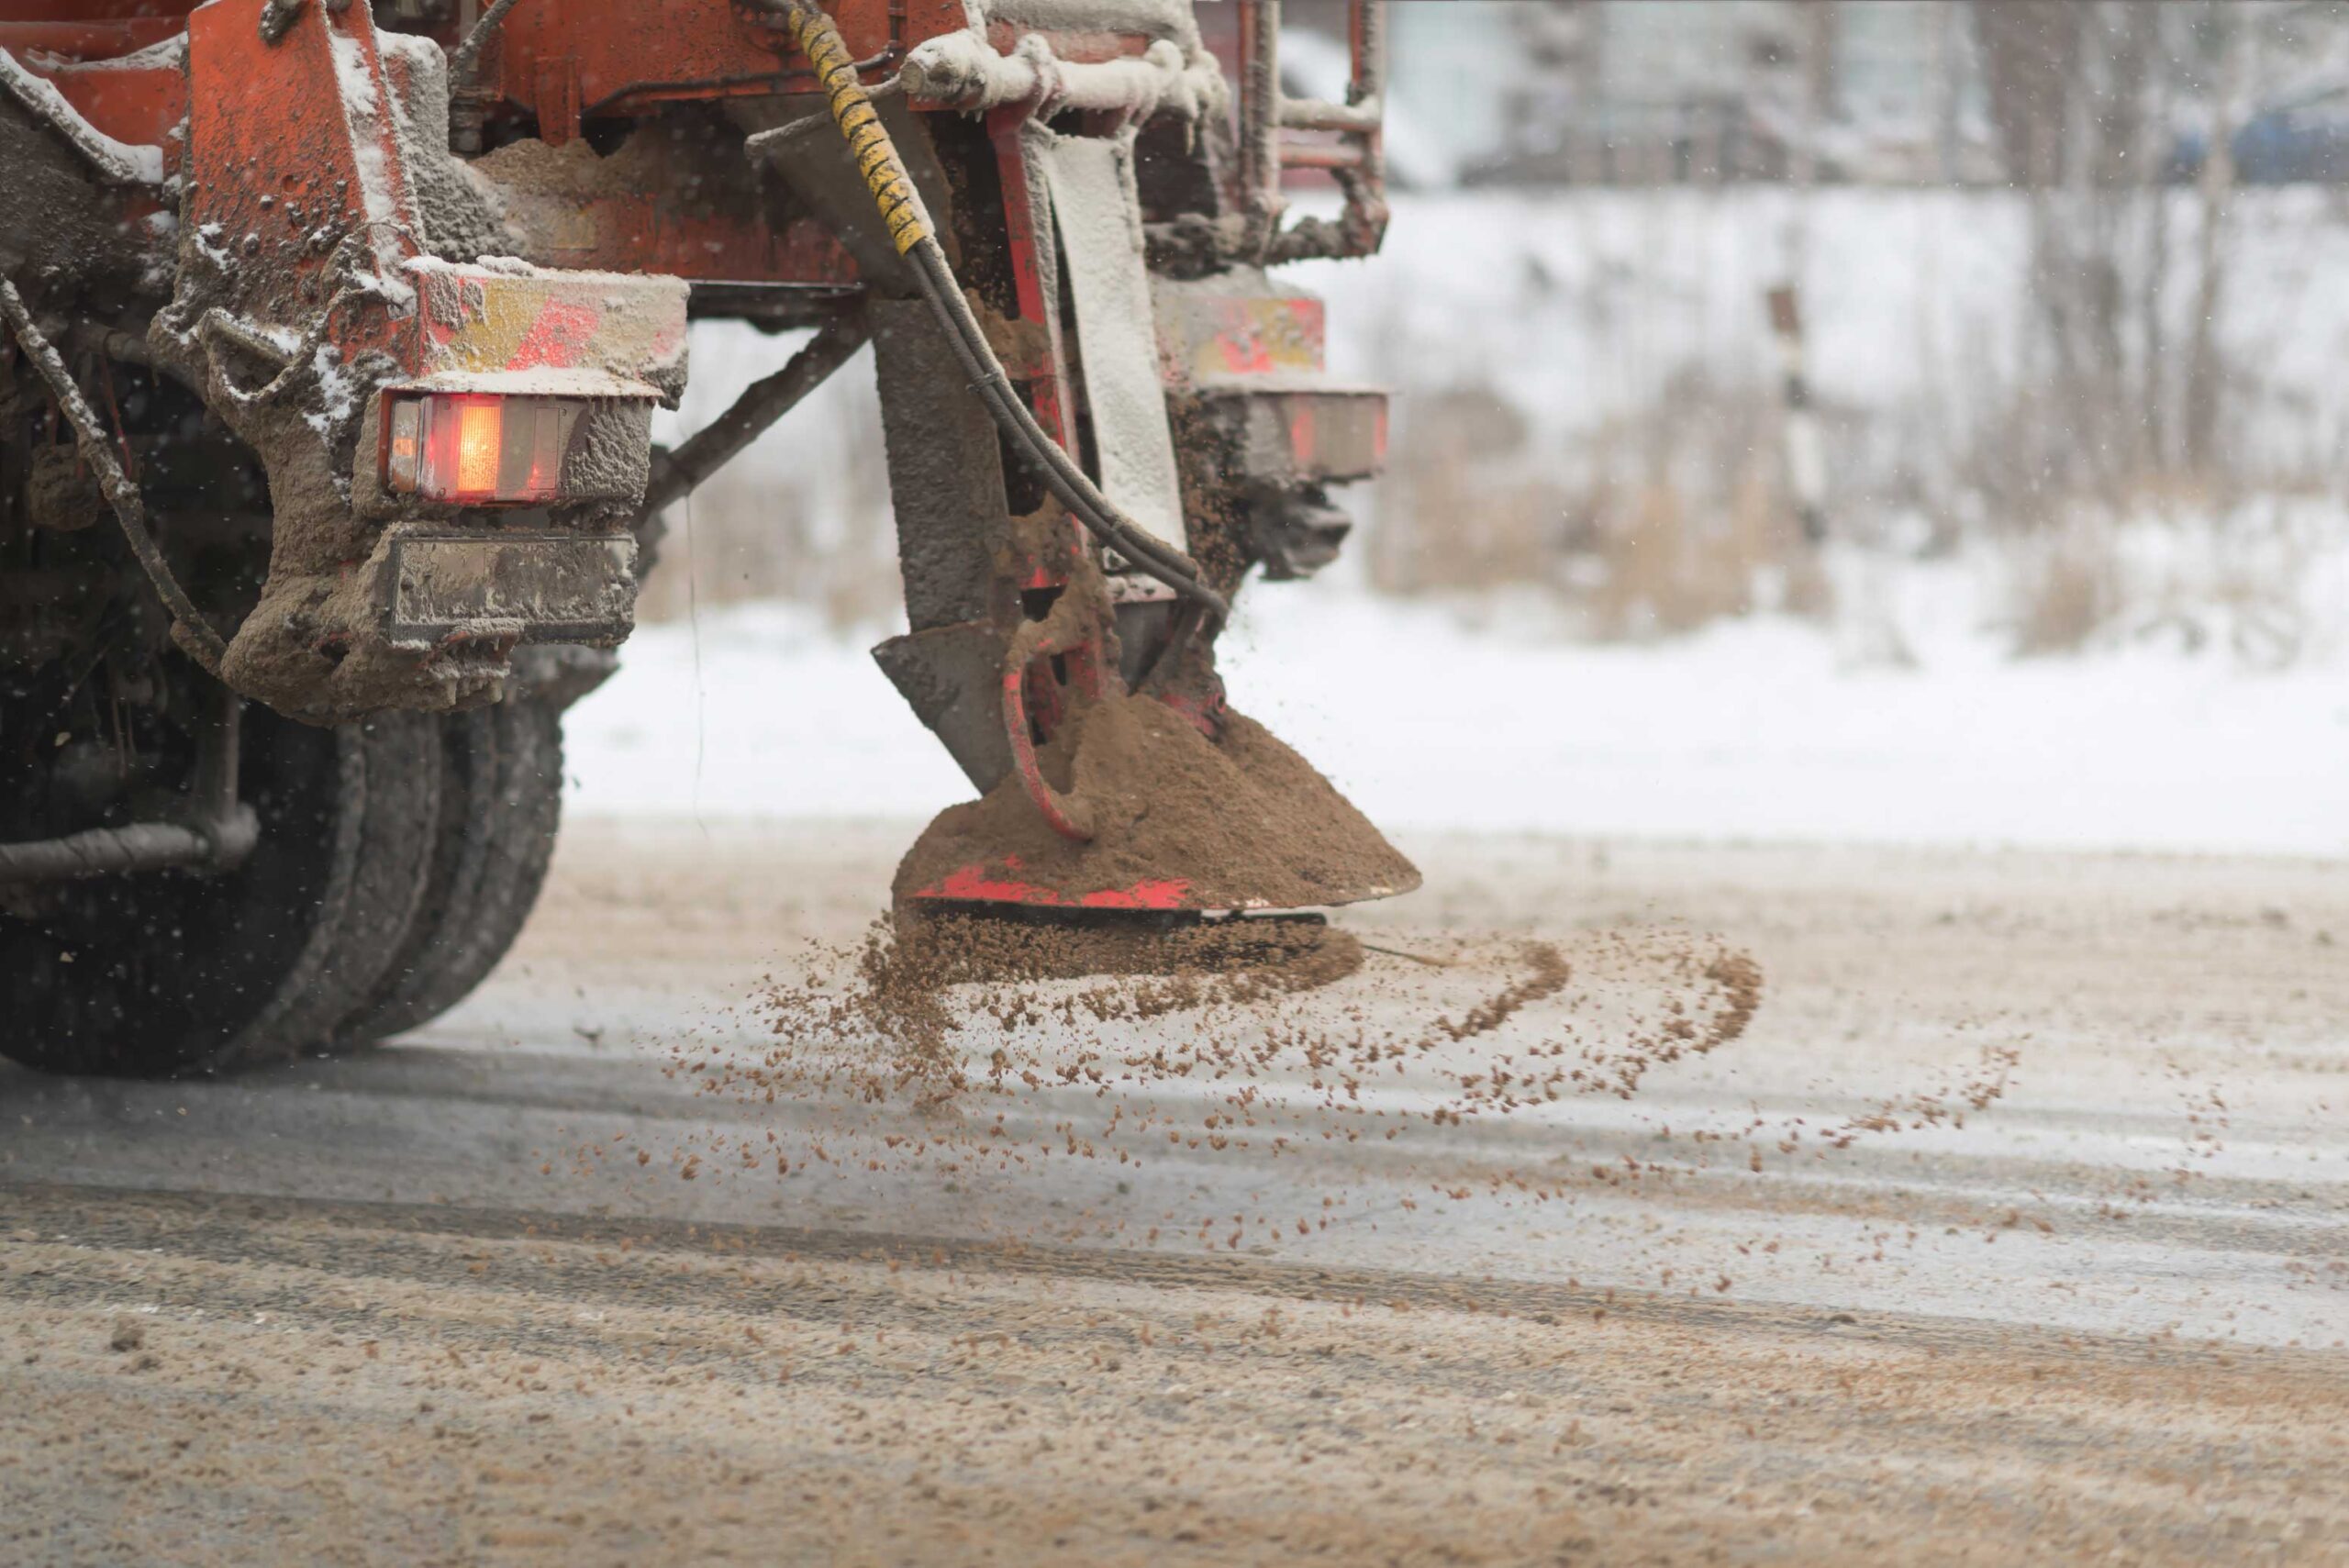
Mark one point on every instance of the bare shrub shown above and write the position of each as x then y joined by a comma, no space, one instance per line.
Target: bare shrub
1653,524
1663,566
1468,506
2232,582
2065,588
2240,586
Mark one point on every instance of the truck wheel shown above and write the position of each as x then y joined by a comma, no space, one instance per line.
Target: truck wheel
501,801
171,972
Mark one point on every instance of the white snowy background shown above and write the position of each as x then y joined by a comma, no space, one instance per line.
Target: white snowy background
1432,717
2173,728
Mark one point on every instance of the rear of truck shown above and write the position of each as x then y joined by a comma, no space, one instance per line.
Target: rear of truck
333,337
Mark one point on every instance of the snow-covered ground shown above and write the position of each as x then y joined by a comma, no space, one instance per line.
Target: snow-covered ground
1435,716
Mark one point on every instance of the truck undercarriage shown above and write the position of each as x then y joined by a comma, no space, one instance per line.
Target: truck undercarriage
333,336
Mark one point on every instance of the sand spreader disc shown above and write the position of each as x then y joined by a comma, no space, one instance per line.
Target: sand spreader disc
1179,823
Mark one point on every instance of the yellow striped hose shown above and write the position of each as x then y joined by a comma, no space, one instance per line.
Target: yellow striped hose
876,156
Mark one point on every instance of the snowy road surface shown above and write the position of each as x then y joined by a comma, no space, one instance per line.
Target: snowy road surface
2011,1228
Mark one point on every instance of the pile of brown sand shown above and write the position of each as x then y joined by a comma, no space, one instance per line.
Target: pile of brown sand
1246,823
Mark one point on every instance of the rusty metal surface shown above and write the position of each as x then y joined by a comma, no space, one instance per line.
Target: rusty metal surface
1218,336
537,587
1272,428
59,227
294,154
676,196
492,326
310,217
645,228
308,288
605,60
137,101
581,58
1249,354
796,137
89,29
1019,144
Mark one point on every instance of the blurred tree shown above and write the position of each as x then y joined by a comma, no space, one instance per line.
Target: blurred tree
2031,59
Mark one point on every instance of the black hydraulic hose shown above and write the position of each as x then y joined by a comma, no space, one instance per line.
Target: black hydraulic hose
909,231
202,643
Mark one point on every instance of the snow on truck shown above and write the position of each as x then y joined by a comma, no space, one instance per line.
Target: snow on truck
330,335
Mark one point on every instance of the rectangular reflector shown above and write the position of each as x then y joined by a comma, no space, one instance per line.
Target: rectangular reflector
549,588
480,421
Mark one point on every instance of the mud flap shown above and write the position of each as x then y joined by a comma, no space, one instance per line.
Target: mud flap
1099,219
951,676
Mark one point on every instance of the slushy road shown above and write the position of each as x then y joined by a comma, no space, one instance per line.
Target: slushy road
2014,1228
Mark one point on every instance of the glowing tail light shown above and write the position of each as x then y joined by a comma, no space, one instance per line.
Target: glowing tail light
478,449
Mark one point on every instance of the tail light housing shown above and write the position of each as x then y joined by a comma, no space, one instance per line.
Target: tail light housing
479,448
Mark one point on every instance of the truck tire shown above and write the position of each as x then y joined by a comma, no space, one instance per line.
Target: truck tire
168,974
501,802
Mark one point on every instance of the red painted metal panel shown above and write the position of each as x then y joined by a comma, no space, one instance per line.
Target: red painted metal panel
285,151
644,232
1074,47
1038,693
1022,204
102,39
140,104
628,57
95,10
555,91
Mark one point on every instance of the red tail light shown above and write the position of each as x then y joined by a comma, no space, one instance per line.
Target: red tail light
472,447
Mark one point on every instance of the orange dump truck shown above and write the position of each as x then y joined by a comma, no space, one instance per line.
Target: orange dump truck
332,337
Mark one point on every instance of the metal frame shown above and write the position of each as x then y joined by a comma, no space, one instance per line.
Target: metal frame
1356,161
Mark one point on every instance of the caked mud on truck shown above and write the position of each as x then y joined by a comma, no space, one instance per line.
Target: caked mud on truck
333,333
